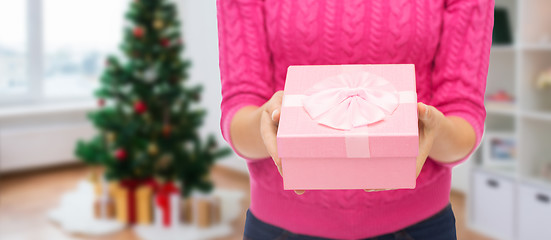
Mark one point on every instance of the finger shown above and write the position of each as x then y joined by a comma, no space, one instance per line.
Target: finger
274,107
275,115
269,131
428,115
378,190
299,192
423,111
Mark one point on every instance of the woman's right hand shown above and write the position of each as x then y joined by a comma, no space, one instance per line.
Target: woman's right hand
269,122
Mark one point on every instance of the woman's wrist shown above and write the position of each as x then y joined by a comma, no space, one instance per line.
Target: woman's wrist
443,129
454,139
245,132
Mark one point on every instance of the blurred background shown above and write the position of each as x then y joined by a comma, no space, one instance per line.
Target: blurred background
53,52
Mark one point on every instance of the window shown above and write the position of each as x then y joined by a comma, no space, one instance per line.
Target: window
56,49
78,35
13,49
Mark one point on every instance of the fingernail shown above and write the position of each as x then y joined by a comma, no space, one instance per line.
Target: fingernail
426,110
274,113
369,190
299,192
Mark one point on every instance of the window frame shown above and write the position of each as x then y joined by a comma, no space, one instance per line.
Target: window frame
33,58
35,63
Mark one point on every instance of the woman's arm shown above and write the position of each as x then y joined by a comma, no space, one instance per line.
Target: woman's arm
444,139
455,140
254,129
460,68
246,74
245,132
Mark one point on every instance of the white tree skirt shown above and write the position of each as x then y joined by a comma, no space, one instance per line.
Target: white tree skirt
75,215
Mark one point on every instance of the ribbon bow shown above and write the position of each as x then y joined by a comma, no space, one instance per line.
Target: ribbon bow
351,100
162,200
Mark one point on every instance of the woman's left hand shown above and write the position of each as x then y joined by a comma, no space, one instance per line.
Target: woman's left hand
430,122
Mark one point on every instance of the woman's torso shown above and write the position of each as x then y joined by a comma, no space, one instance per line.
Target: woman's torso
310,32
317,32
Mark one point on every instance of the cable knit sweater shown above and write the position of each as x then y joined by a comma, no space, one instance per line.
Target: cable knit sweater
447,40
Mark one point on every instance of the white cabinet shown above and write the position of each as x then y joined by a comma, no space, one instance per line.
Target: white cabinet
534,212
511,202
493,204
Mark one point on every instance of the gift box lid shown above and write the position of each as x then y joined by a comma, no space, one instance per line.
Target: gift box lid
313,101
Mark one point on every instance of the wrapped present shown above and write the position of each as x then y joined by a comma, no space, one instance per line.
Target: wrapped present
104,208
349,127
185,210
167,204
98,181
216,210
120,197
133,201
206,210
144,205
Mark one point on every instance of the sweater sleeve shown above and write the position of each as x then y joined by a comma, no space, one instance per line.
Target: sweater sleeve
461,63
245,62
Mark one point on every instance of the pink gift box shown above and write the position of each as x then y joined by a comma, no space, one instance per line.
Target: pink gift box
349,127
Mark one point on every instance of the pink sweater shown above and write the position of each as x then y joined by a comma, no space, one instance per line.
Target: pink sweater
447,40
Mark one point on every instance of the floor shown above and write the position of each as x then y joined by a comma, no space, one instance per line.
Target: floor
26,197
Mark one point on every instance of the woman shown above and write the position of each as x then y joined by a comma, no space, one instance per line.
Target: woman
449,43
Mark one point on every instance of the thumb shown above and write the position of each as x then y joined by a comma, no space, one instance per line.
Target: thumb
276,114
274,106
426,113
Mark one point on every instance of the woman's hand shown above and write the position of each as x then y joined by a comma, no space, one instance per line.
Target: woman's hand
430,122
269,121
445,139
430,125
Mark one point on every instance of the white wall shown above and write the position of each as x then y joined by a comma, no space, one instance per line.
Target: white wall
200,33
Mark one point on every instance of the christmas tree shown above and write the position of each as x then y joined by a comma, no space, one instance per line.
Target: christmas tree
148,118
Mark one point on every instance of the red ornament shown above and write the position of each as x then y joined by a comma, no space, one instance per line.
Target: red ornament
138,32
120,154
101,102
167,130
140,107
165,42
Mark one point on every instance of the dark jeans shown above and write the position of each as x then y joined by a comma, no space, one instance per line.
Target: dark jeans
441,226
